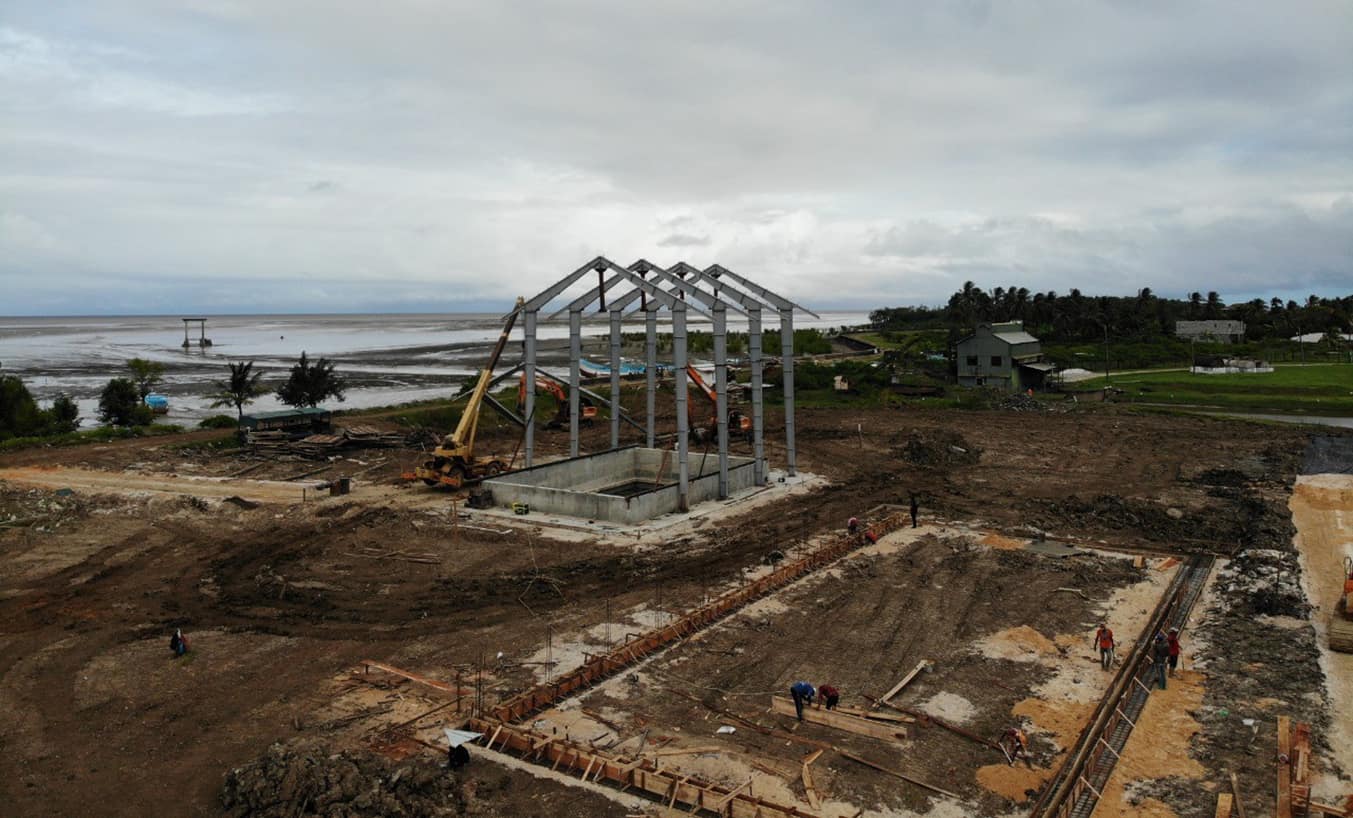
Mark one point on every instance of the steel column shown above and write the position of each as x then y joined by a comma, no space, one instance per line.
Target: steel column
615,378
787,363
575,352
758,434
721,392
651,373
528,410
683,425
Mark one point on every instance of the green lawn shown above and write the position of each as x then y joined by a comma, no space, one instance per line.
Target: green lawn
1316,389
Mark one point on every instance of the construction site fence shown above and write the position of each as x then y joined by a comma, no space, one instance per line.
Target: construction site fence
635,649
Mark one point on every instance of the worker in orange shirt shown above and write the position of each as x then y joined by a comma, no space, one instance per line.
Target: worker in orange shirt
1104,641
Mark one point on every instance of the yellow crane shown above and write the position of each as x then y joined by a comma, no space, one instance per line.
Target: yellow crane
453,463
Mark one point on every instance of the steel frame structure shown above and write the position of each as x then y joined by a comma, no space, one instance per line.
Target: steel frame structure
647,288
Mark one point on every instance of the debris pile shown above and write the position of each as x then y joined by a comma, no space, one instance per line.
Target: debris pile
285,783
1022,403
936,448
1265,581
319,446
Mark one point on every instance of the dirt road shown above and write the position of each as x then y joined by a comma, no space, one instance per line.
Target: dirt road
59,477
1322,507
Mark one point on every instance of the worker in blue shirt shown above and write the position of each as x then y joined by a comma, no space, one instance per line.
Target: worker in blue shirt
802,693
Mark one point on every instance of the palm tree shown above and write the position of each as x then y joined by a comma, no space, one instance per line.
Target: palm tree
240,389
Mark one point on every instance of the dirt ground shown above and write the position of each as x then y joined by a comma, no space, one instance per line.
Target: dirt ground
283,598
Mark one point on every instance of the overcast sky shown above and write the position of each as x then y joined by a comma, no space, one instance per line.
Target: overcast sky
229,155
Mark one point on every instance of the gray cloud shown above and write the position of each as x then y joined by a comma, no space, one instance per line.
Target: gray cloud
890,151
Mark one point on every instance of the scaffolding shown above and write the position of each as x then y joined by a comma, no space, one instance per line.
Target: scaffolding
644,287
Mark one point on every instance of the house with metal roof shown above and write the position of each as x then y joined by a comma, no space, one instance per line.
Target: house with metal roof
1003,356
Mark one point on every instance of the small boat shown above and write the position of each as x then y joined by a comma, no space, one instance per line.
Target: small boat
159,404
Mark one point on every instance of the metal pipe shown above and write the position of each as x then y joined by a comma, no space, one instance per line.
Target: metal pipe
651,373
758,433
721,392
615,378
575,353
528,411
683,425
787,363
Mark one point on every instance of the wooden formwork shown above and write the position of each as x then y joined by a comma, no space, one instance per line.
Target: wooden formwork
668,786
598,668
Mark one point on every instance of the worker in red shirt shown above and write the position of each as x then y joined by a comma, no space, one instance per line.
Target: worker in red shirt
830,696
1104,641
1173,641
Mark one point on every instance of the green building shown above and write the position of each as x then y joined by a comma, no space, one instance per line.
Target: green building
1003,356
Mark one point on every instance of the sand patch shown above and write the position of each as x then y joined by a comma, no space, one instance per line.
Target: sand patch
994,540
1014,782
1158,747
1061,721
950,707
1021,644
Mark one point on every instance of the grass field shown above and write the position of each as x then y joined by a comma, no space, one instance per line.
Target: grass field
1314,389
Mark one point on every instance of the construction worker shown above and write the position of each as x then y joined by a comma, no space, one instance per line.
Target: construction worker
1015,744
1104,641
802,693
1172,639
915,509
852,525
830,696
178,643
1160,657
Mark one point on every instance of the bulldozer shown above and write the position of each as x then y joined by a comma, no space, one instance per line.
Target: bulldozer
453,463
739,424
1341,621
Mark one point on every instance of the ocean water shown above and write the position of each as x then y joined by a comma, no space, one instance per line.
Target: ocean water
387,359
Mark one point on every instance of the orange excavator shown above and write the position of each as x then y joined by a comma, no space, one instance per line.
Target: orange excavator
739,424
587,411
1341,621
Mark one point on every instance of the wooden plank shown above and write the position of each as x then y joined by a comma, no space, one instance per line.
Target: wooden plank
686,751
414,677
921,665
808,789
1235,794
874,714
866,762
1223,805
840,721
1284,784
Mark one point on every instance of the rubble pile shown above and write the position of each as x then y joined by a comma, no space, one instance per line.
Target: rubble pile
1022,403
1265,581
936,448
285,783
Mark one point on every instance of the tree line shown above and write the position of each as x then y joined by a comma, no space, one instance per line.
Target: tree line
1077,317
122,402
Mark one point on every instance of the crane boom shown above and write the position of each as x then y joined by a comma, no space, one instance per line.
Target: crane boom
453,463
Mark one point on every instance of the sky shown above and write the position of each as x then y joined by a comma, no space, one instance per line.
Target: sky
226,156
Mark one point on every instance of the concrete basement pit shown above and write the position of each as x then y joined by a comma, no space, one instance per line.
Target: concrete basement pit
629,485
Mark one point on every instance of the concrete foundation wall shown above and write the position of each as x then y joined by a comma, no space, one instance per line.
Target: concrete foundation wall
569,487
